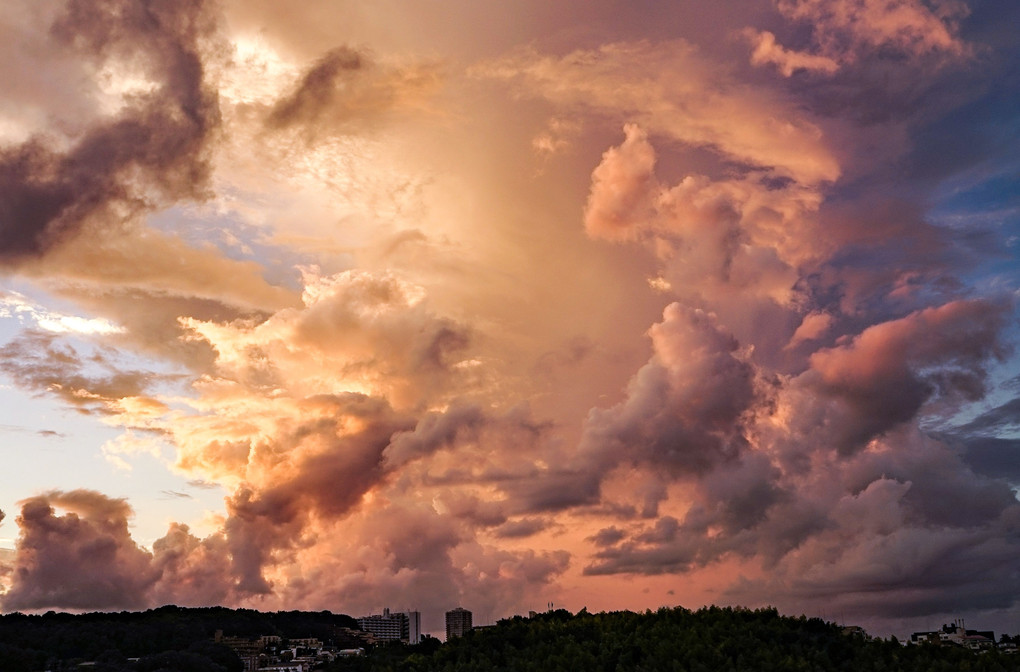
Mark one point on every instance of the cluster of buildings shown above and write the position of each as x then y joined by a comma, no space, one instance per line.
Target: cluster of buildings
405,626
956,633
271,653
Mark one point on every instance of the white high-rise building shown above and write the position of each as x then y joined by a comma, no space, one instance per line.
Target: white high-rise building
413,627
393,627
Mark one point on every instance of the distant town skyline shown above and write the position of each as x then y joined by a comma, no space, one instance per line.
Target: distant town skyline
610,305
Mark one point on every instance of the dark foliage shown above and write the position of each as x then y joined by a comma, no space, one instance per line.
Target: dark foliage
56,641
709,640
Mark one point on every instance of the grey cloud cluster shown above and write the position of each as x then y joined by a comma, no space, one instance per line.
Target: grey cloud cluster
109,570
150,151
345,89
40,362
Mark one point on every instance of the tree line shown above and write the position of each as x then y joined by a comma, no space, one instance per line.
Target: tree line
168,638
713,639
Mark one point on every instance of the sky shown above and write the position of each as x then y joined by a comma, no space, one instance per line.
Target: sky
341,305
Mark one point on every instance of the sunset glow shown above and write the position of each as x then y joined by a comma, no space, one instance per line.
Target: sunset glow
345,306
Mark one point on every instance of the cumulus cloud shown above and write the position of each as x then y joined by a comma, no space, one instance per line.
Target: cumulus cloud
83,559
427,369
883,376
684,409
192,571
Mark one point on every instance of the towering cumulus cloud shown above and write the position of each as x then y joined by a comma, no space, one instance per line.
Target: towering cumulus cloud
337,307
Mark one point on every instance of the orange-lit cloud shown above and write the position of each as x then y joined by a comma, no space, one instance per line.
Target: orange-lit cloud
593,309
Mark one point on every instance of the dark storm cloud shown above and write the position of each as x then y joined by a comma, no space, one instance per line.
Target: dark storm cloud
150,152
555,490
343,87
987,444
910,572
319,90
84,558
735,509
992,457
435,431
607,536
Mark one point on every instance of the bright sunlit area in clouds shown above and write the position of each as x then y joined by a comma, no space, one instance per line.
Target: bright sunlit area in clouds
334,306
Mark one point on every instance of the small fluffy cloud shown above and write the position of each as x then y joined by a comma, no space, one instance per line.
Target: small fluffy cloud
767,51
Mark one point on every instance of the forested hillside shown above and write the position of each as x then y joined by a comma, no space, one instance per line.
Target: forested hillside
709,640
37,642
714,639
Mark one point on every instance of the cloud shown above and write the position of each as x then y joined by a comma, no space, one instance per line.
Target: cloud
693,102
623,190
193,572
846,28
845,32
426,368
767,51
153,150
684,408
812,327
345,86
883,376
83,559
1001,418
329,469
15,304
710,235
39,362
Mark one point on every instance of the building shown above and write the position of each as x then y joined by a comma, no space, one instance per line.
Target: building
413,627
458,622
393,627
956,633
